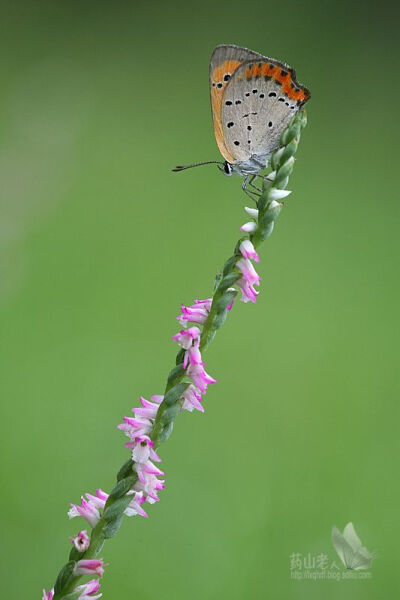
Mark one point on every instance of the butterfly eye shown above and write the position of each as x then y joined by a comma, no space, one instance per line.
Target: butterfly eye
227,169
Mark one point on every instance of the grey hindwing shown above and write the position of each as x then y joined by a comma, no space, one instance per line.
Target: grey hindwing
254,114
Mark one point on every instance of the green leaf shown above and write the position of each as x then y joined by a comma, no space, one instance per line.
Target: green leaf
217,280
125,470
175,374
174,394
96,541
167,412
64,576
266,231
170,413
290,150
290,133
123,486
228,281
112,528
237,247
116,509
165,432
266,220
75,555
271,215
219,319
275,158
228,266
180,356
225,300
283,173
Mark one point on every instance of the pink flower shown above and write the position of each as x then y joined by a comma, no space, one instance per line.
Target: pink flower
142,423
134,427
90,567
87,510
158,398
192,399
135,505
193,355
206,303
248,271
87,590
186,337
249,294
148,482
150,485
248,251
147,468
81,541
99,499
143,449
200,378
197,313
149,409
249,278
189,339
48,596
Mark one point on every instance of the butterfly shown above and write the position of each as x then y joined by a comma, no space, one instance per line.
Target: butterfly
350,550
253,99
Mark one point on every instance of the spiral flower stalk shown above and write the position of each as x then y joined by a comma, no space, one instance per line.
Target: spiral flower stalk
139,479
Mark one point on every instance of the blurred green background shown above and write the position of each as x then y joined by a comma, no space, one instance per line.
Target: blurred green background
99,245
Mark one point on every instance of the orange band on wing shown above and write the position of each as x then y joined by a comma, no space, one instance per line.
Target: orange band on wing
282,76
219,79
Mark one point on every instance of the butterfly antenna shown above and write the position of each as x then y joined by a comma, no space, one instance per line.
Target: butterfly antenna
208,162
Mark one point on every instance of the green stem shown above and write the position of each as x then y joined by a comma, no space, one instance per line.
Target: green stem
224,294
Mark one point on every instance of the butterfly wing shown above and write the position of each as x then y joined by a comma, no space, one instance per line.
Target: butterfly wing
362,557
259,100
224,61
351,537
350,550
342,547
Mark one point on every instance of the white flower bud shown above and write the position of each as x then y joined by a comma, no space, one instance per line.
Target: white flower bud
275,194
253,212
249,227
274,204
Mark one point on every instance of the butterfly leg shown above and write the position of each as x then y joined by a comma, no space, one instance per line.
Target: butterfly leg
250,193
262,177
251,184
